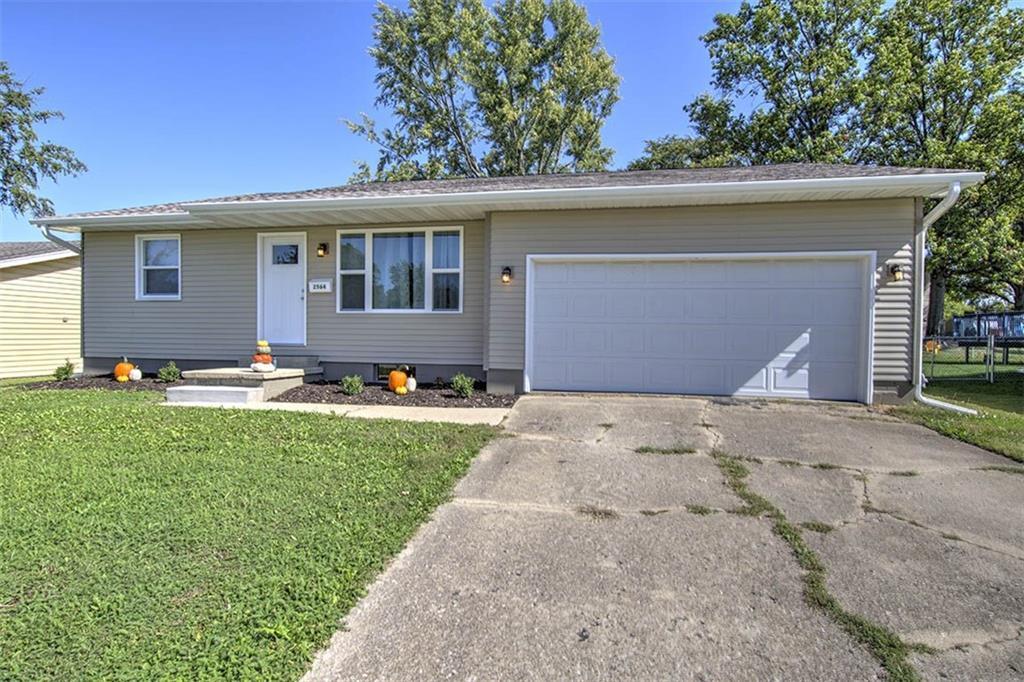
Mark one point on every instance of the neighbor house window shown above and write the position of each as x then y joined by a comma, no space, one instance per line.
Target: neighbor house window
158,267
399,270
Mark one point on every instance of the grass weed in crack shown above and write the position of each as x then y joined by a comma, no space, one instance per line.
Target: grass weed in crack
890,650
597,513
674,450
699,509
817,527
907,474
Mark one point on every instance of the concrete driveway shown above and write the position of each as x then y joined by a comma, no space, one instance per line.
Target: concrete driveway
600,539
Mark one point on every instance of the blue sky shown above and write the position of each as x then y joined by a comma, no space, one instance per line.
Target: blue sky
186,100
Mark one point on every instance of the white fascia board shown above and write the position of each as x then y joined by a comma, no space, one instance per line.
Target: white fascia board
73,223
37,258
533,196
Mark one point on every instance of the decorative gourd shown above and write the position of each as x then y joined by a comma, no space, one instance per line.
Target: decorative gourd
401,390
122,379
264,358
123,369
410,384
135,374
397,379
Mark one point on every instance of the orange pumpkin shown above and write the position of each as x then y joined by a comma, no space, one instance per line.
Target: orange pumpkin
397,379
123,369
263,358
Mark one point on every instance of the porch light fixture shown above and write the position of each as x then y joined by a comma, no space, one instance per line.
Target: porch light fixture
322,249
898,272
506,274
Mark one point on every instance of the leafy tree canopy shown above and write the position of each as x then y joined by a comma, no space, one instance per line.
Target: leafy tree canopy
520,88
24,160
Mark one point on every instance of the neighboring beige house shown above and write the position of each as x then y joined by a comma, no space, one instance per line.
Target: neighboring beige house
40,308
791,280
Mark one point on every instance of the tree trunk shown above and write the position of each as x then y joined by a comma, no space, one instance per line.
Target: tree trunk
936,305
1018,296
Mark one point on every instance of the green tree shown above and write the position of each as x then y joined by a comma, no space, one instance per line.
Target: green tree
24,160
794,64
521,88
938,90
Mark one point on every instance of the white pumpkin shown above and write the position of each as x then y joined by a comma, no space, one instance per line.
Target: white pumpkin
262,367
135,374
410,384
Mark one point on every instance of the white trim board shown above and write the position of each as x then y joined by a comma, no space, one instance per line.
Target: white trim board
260,236
37,258
869,259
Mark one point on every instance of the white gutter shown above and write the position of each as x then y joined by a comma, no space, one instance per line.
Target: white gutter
952,195
45,229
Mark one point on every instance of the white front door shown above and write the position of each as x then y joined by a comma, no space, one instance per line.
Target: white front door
282,288
785,327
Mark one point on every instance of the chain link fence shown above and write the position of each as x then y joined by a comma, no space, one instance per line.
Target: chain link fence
972,358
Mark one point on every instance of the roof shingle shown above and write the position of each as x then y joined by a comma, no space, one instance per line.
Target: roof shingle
783,171
12,250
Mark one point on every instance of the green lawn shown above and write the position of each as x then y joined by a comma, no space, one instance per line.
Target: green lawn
999,427
144,542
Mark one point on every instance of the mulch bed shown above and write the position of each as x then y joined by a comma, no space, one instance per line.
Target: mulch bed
147,383
424,396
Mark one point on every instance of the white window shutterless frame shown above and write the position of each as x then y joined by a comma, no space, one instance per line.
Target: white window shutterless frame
349,268
281,288
158,267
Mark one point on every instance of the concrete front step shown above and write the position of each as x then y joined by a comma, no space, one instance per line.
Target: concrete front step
272,384
232,395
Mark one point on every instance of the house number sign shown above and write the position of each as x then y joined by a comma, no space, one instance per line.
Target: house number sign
319,286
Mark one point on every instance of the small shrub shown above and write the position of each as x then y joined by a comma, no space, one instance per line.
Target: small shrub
439,383
463,385
64,372
352,384
169,373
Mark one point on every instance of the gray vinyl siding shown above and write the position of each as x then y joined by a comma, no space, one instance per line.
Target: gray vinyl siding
216,316
885,226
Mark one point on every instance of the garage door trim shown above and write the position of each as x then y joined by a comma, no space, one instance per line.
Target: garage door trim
868,258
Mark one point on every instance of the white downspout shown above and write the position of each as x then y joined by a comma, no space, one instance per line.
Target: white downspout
952,195
45,229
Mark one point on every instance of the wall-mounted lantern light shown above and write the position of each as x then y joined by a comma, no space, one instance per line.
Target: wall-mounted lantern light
322,249
506,274
898,272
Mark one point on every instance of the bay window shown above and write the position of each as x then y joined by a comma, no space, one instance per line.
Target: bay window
400,270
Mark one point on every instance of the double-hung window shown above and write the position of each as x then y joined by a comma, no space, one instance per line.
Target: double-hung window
158,267
400,270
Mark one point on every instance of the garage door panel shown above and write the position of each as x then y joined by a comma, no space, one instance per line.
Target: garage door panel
749,377
626,305
705,306
554,305
589,273
660,306
749,306
628,340
786,327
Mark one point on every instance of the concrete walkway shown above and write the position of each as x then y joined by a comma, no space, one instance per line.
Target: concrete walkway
601,541
452,415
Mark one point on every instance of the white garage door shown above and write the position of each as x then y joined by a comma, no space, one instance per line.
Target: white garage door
793,327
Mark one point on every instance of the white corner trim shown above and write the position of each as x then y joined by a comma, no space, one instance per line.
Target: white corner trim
867,314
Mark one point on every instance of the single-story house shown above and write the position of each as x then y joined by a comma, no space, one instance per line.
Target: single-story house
40,308
789,280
